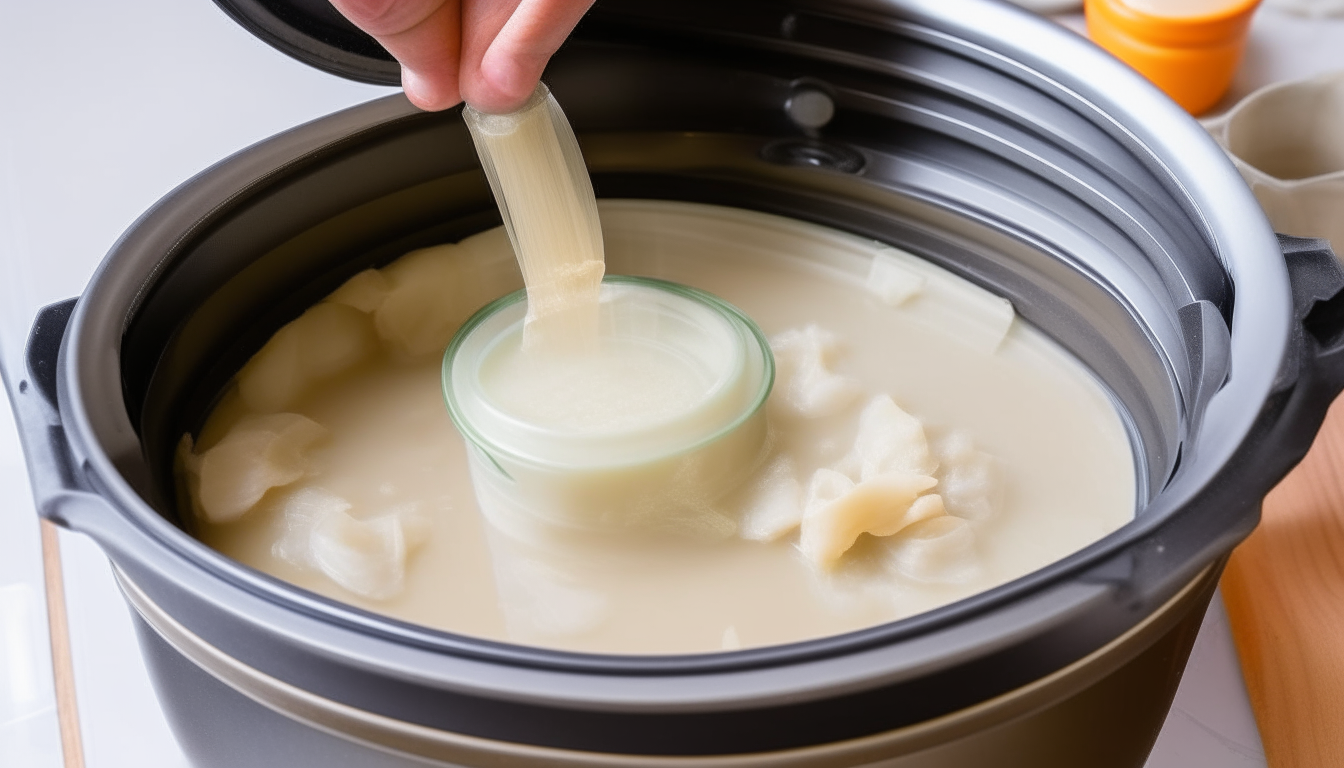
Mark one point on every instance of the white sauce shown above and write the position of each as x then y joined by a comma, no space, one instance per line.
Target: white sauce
626,386
1030,459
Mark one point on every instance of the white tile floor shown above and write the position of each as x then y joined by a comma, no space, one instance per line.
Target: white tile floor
109,105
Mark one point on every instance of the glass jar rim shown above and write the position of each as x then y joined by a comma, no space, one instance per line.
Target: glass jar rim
756,339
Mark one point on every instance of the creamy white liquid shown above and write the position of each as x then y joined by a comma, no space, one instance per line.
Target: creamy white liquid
625,386
658,355
943,350
655,421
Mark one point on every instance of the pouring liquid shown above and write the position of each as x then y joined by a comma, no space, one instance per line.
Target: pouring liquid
536,171
591,416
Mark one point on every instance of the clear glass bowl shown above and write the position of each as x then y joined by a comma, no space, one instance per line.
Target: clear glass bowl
590,469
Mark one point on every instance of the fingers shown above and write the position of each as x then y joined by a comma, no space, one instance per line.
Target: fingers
507,44
482,21
424,35
491,52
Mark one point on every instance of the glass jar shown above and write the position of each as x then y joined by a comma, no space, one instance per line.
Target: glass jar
644,432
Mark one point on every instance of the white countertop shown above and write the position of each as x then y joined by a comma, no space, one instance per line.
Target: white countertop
110,105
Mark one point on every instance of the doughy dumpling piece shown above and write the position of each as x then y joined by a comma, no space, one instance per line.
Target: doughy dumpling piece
889,439
775,504
491,244
365,291
299,512
892,281
367,557
332,339
259,453
926,507
415,524
804,383
322,342
969,483
840,510
940,550
425,305
271,380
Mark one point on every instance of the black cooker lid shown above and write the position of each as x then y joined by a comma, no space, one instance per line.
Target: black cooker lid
313,32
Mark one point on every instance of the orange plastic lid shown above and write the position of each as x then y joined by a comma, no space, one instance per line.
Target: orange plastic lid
1188,48
1178,22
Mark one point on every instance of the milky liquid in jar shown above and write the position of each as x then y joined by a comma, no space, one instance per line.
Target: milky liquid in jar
650,422
944,350
625,385
536,171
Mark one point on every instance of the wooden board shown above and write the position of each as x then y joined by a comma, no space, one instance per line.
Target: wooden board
67,711
1284,591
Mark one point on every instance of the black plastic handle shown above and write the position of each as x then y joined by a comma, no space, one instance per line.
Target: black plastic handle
44,347
1312,373
35,405
1318,306
1314,368
58,489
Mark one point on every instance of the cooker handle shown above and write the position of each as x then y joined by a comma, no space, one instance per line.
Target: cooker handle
1312,372
57,490
1317,281
1309,378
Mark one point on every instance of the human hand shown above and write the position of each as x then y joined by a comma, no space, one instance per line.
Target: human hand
487,52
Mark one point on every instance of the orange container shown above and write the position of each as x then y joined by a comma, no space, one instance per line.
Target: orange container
1191,54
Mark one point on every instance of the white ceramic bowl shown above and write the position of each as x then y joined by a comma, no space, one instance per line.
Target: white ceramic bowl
1287,140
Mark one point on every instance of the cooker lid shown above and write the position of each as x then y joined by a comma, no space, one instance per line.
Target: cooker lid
313,32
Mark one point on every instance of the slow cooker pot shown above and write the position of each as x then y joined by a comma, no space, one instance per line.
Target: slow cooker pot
980,137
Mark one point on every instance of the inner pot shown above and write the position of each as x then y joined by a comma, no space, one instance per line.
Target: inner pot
985,140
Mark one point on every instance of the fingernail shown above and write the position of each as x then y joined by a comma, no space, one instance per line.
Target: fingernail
506,78
424,93
412,84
